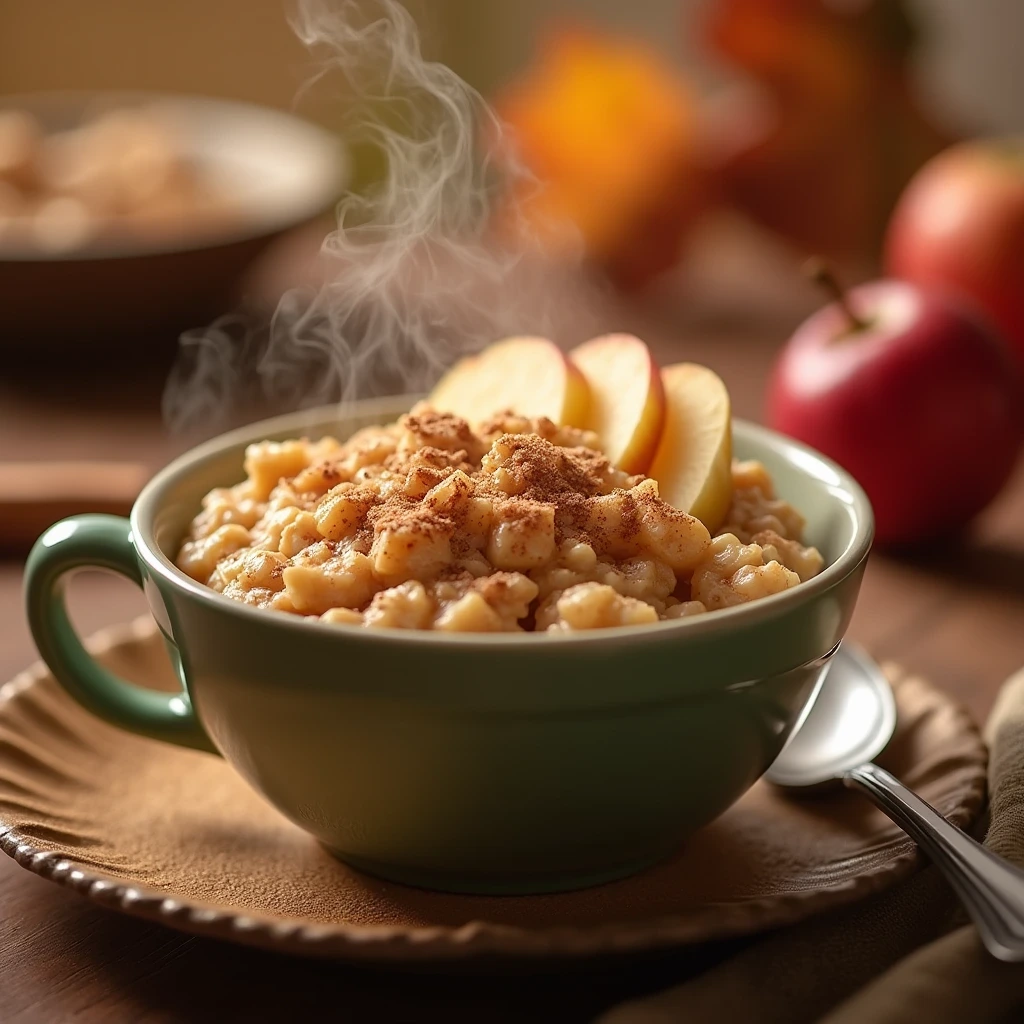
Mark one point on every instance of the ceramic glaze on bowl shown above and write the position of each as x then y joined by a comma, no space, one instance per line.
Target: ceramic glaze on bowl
493,763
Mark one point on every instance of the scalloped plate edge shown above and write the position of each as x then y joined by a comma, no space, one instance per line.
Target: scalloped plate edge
397,944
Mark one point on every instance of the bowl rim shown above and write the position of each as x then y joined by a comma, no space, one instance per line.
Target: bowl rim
331,154
834,479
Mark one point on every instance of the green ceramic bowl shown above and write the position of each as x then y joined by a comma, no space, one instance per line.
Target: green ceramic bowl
484,763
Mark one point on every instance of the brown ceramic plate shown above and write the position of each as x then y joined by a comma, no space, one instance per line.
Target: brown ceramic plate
177,837
276,171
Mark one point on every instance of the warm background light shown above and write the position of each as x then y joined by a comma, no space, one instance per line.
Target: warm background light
244,48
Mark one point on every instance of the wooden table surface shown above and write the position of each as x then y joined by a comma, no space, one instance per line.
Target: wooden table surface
956,616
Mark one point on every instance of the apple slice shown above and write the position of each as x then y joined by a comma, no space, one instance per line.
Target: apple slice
530,376
693,463
627,399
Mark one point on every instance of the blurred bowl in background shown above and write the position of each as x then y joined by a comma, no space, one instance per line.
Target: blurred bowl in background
183,227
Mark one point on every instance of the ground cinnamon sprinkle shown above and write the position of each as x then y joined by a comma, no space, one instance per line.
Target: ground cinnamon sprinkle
428,523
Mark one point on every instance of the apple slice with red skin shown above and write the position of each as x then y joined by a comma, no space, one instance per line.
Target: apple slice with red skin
627,399
530,376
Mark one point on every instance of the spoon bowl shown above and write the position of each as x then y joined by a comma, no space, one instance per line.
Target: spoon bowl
851,721
849,724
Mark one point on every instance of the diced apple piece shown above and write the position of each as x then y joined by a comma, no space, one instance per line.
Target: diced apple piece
530,376
693,463
627,399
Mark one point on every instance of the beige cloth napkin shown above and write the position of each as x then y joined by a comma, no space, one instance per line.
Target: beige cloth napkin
903,957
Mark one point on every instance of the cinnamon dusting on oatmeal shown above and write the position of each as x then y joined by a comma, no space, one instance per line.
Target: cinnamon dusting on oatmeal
522,523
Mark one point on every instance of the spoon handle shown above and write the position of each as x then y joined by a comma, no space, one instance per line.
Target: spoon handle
991,889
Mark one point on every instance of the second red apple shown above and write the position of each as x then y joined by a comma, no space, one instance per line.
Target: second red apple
959,227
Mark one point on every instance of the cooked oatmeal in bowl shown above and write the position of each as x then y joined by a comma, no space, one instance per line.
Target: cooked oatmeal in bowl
489,761
517,525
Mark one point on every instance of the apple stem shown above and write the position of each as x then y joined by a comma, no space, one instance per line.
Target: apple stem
824,276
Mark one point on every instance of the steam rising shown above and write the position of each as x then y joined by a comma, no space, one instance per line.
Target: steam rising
416,274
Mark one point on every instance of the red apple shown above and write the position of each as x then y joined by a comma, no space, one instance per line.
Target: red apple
959,226
916,398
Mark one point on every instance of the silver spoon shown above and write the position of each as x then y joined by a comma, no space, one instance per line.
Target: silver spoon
850,723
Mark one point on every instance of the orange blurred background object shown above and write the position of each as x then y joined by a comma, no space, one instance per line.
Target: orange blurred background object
628,152
611,134
841,131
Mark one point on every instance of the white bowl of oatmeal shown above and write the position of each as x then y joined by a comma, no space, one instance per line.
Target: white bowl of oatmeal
143,212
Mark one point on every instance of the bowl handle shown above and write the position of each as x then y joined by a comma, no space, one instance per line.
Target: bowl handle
98,542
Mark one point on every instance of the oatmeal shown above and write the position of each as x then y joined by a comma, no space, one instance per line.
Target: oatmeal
518,525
